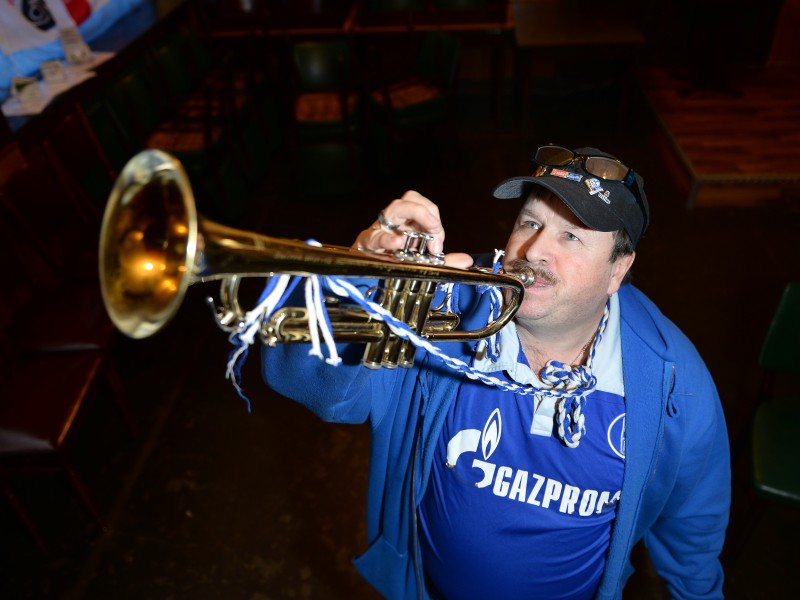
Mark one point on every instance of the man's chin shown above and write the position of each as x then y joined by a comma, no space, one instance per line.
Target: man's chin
531,311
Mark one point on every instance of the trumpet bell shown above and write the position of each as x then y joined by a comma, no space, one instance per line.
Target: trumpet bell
148,243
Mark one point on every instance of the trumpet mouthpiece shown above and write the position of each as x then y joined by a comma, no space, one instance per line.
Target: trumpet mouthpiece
524,274
522,270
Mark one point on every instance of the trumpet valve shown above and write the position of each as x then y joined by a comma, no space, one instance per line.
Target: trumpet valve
416,250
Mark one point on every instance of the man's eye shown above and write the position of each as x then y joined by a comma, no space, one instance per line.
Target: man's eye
531,224
571,237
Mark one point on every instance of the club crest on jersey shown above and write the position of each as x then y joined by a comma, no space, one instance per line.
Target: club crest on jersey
596,189
616,436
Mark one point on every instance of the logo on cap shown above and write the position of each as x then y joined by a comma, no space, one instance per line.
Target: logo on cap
596,188
566,174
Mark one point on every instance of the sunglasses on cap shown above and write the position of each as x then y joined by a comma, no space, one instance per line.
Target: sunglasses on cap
604,167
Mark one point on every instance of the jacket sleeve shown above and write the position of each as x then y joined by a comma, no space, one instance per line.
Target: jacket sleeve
344,393
685,541
334,393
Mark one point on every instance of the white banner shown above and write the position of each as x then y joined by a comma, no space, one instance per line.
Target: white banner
29,30
30,23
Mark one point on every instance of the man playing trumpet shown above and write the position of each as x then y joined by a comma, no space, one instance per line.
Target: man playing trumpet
605,427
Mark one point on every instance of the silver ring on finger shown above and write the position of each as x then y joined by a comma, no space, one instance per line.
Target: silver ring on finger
385,222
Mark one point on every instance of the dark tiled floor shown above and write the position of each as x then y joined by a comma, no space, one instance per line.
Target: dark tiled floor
213,502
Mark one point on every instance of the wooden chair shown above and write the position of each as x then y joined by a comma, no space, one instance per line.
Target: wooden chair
775,448
326,107
421,96
55,345
407,103
43,401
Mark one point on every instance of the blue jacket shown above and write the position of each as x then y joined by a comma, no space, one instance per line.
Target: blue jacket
676,483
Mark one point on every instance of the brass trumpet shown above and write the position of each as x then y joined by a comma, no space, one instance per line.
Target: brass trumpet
153,245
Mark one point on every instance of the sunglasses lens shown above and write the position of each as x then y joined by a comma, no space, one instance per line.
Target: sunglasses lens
555,156
606,168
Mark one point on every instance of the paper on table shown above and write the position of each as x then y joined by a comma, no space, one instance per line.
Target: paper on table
35,103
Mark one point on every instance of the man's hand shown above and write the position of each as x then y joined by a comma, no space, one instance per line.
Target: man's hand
411,212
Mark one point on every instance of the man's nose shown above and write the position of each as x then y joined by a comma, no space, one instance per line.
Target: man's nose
539,247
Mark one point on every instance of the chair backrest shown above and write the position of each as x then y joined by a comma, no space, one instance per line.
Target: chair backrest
322,65
780,350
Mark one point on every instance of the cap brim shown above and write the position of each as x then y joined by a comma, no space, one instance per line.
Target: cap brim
516,187
587,209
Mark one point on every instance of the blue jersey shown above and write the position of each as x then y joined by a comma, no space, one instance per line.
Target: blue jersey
509,510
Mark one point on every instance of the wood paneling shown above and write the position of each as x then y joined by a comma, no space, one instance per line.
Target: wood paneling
739,145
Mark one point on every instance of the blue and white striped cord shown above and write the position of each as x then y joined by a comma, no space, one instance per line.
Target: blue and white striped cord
344,288
491,345
274,294
571,385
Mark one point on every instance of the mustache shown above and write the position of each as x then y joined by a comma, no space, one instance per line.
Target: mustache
541,273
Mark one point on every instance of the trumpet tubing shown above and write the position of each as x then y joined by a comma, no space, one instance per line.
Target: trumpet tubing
154,245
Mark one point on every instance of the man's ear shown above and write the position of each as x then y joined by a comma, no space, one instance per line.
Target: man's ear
618,271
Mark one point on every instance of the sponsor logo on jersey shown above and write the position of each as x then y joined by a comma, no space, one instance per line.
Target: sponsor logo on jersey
525,486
